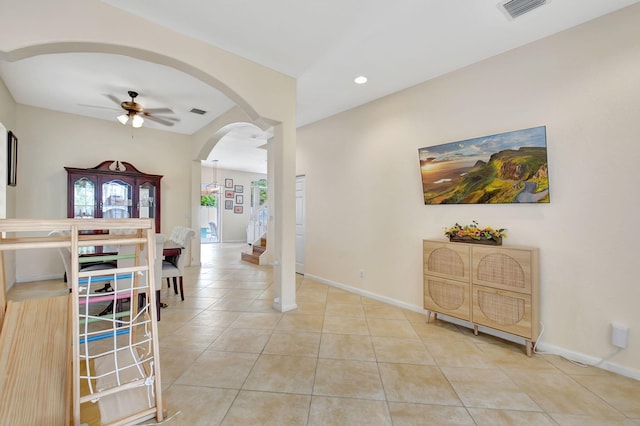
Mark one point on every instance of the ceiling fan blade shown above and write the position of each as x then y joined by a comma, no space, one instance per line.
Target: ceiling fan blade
159,120
147,114
159,110
114,99
99,107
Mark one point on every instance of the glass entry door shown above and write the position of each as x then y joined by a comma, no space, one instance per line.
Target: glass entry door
210,213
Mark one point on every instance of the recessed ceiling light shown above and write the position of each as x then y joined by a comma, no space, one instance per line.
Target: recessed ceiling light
360,79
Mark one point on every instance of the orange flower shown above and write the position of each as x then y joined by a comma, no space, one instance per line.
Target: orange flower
475,232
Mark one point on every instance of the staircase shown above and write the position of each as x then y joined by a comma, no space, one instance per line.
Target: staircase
256,250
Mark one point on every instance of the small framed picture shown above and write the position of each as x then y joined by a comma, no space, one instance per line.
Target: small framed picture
229,194
237,209
12,152
228,204
228,183
239,199
239,189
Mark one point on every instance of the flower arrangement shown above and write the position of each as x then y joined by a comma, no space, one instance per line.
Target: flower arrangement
473,233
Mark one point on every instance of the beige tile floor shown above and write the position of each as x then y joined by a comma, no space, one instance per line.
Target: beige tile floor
341,359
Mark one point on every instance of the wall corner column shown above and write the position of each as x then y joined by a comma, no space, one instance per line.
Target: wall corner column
282,151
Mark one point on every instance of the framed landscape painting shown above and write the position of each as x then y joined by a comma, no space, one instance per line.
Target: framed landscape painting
504,168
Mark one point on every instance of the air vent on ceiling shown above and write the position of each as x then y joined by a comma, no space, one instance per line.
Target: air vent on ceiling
198,111
515,8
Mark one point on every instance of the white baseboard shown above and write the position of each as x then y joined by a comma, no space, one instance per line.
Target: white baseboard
368,294
277,305
541,346
40,278
9,285
589,360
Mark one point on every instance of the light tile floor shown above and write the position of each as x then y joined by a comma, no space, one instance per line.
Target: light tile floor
341,359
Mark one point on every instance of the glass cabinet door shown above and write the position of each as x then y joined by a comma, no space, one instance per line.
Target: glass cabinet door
146,201
116,199
84,198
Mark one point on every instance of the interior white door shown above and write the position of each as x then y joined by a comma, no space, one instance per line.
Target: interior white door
300,223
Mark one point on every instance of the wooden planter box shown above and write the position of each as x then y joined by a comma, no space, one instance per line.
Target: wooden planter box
483,241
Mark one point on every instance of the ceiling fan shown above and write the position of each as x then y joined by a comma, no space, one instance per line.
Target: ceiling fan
137,113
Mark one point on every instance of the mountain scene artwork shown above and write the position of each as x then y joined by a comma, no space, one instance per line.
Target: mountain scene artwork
504,168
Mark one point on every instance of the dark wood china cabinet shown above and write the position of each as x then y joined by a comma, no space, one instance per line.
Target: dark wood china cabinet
114,190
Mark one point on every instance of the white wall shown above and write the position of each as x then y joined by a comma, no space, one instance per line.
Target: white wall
364,201
49,141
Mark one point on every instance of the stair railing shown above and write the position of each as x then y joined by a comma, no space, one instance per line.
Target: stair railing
257,223
259,215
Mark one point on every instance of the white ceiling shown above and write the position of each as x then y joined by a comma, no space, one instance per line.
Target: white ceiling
323,44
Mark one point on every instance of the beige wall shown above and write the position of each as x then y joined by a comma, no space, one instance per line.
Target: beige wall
7,107
364,201
50,140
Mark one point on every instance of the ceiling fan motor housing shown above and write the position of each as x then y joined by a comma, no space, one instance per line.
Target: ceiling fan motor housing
132,106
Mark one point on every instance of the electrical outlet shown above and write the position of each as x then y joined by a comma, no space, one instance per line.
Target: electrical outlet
619,335
361,273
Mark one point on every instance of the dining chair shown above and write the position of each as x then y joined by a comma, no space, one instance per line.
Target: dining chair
213,230
173,266
157,270
65,255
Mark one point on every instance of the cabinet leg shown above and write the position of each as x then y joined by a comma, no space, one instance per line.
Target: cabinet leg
529,346
428,316
475,329
435,316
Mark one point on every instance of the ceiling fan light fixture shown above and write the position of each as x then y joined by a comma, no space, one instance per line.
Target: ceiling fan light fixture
214,186
361,79
137,121
123,118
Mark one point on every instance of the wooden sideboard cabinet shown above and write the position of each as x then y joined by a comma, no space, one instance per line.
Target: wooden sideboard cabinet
113,190
492,286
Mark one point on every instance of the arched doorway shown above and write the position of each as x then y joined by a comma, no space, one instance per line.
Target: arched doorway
238,159
265,96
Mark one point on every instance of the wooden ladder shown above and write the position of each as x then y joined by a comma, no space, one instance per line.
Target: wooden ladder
45,342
